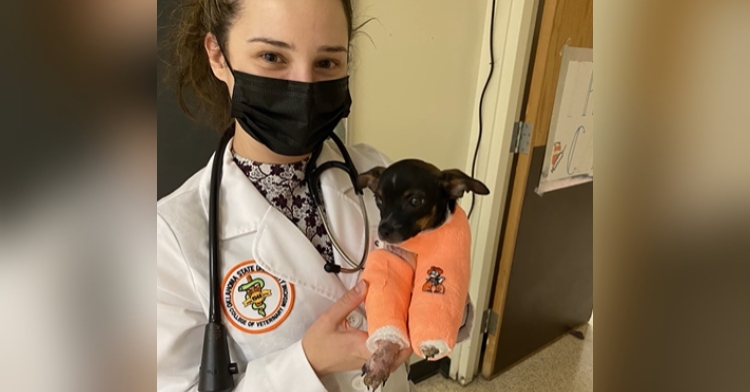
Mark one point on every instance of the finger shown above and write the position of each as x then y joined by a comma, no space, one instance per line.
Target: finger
347,303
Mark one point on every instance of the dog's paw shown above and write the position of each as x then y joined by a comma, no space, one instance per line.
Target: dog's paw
429,351
377,369
374,374
432,350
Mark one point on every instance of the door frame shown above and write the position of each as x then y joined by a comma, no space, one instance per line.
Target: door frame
513,35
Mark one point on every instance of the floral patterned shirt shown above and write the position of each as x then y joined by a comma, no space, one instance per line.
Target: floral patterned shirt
284,186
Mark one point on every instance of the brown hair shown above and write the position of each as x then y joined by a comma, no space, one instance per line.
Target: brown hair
188,67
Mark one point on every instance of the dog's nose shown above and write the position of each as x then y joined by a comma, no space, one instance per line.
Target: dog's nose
385,229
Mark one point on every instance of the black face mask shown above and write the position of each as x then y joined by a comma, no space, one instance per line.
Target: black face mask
290,118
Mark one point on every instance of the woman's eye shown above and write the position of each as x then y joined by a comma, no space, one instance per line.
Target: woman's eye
416,201
325,64
270,57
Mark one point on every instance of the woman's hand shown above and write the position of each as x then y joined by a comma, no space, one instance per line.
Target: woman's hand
331,344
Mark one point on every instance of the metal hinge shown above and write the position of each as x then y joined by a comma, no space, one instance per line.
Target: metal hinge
521,140
490,321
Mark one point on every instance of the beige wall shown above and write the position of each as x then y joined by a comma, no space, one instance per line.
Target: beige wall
414,85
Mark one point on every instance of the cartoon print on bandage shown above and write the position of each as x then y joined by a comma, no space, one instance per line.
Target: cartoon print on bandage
434,281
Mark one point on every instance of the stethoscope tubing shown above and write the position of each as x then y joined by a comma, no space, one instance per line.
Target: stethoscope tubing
312,175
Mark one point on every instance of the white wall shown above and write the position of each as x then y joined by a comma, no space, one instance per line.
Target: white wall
414,85
416,91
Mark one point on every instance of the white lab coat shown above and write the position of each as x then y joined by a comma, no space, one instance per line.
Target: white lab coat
252,231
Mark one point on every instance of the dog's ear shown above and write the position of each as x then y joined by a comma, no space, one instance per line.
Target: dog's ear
370,178
455,182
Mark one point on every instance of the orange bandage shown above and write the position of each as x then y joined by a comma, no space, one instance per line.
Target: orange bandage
424,305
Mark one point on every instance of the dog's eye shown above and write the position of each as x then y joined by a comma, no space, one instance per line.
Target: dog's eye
416,201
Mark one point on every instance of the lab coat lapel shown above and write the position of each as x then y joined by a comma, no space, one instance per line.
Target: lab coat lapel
241,206
344,214
279,247
282,249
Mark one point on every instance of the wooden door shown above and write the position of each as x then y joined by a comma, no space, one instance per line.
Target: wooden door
544,282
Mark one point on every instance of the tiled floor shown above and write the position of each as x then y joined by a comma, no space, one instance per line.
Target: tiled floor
565,366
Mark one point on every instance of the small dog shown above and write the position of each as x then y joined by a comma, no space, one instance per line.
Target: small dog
413,197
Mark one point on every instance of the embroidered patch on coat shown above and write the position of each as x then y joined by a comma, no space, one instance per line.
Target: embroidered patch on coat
434,283
254,300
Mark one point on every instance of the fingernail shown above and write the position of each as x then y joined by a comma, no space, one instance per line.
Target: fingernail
360,287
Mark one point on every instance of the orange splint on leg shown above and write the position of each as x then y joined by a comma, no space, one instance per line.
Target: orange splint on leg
424,305
389,279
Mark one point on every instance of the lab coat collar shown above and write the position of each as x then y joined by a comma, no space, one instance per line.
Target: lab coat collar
241,206
246,206
279,246
333,178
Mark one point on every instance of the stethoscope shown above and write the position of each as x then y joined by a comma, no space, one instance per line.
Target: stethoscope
216,368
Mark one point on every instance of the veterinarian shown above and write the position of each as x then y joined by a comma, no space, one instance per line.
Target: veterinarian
273,72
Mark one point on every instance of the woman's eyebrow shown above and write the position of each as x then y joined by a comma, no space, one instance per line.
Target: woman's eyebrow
273,42
284,45
332,49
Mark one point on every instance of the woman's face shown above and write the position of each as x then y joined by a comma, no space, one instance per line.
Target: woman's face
299,40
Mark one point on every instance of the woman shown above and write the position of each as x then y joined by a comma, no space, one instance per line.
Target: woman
276,70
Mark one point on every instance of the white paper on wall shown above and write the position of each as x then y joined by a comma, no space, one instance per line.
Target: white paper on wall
569,158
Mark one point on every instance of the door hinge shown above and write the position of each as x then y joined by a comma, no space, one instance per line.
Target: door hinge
490,321
521,140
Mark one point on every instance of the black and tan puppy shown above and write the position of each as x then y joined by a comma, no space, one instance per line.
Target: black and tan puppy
413,197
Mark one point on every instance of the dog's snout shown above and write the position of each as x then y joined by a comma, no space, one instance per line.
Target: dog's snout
390,224
388,229
385,229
